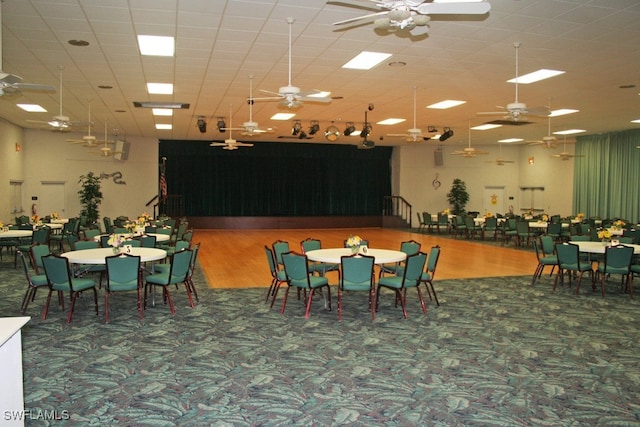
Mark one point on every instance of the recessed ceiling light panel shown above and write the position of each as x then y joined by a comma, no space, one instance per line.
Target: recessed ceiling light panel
536,76
156,45
366,60
447,103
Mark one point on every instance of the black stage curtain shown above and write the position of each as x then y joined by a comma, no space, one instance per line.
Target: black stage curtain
277,179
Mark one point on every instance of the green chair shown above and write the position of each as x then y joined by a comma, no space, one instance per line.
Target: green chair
192,266
310,244
61,280
617,260
409,247
473,229
430,272
80,270
356,274
509,231
296,267
147,241
409,279
428,222
524,234
443,223
279,247
176,274
421,223
459,226
569,262
545,253
39,236
278,276
90,233
34,282
123,274
108,225
36,252
491,227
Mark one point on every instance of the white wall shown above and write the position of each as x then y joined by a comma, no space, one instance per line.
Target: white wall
415,180
47,156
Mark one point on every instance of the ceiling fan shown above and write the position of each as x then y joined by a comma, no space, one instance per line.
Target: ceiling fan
548,141
251,128
87,140
105,150
500,161
414,134
229,143
10,83
413,15
515,110
565,155
59,123
469,151
291,96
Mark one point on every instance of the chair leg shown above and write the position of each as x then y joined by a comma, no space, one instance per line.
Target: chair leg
167,295
45,310
435,296
284,300
401,297
422,304
186,285
339,303
73,303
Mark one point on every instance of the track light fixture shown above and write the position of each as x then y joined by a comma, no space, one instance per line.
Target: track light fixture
221,125
349,129
448,133
432,129
297,127
202,124
302,135
366,130
314,127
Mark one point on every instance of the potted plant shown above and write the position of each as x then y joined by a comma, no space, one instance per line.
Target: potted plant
458,196
90,197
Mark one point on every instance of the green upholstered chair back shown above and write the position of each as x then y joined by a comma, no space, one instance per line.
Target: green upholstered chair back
356,272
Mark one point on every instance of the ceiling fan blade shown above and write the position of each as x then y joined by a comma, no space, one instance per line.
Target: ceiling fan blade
359,18
323,99
244,144
32,86
460,8
538,111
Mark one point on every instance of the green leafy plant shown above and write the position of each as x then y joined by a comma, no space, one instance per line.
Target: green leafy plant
458,196
90,196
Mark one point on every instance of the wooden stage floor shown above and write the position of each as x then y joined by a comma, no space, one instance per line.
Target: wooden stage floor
236,258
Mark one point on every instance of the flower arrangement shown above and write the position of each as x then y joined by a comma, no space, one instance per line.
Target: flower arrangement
488,215
116,240
604,234
54,215
144,218
35,219
580,216
544,217
354,241
131,226
618,224
446,211
1,224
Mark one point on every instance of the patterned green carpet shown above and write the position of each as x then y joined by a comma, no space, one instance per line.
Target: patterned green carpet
497,352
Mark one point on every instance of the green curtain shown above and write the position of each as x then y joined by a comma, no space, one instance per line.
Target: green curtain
606,180
277,179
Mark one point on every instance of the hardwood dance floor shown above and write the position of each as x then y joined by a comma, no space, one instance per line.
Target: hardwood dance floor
236,258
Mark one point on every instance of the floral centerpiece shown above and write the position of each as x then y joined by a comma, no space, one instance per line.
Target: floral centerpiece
116,241
354,242
54,215
446,211
488,215
618,224
35,219
544,217
144,218
131,226
604,235
580,216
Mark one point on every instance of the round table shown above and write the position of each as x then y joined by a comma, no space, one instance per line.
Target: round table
333,255
12,234
99,255
599,247
159,237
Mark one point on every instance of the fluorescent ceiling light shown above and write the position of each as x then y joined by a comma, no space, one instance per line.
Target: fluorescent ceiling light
366,60
508,140
32,108
635,121
562,112
457,1
160,88
391,121
447,103
321,94
162,112
569,131
148,104
164,126
536,76
283,116
156,45
486,126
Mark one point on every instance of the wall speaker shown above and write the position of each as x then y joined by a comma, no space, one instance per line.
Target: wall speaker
122,150
438,159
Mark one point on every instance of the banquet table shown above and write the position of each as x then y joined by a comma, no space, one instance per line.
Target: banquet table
159,237
599,247
333,255
99,255
13,234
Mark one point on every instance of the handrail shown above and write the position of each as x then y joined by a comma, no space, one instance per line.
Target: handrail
152,200
397,206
